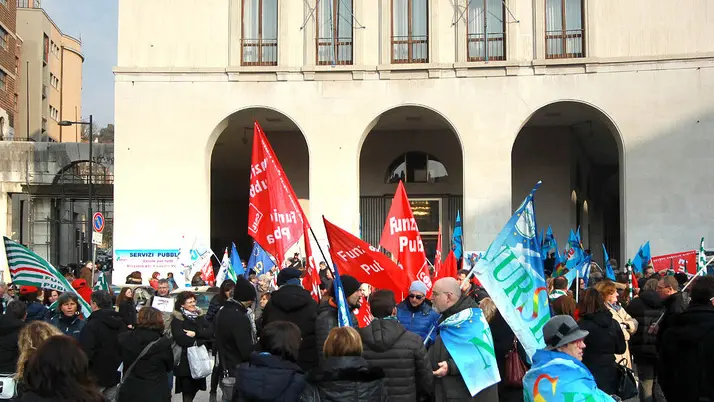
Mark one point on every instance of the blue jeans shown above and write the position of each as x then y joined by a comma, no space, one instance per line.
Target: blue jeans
171,382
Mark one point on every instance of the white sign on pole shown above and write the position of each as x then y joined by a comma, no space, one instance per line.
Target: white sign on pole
97,238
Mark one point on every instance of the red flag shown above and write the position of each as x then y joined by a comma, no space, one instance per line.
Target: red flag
401,237
363,313
449,267
207,273
357,258
311,280
686,261
437,256
275,218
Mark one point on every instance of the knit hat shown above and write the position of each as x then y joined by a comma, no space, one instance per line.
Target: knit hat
28,289
244,290
289,275
350,284
418,286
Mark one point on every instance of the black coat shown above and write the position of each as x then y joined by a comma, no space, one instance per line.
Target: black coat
214,307
503,338
326,320
37,311
686,360
646,309
268,378
402,357
100,341
295,304
452,387
204,334
342,379
604,341
127,311
70,326
147,380
9,330
673,305
234,335
33,397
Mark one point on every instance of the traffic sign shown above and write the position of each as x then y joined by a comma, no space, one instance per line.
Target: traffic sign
97,238
98,222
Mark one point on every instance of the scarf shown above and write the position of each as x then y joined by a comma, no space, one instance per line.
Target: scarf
615,307
191,315
251,317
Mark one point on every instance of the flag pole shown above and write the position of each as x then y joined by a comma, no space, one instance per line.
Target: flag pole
320,247
577,284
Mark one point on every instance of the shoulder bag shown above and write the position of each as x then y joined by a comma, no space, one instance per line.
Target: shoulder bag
515,369
128,371
627,382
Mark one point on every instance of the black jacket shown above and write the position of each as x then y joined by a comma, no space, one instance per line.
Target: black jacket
9,330
295,304
604,341
673,305
452,387
234,335
33,397
646,309
204,334
326,320
686,360
70,326
402,357
37,311
127,311
147,380
100,341
268,378
214,307
342,379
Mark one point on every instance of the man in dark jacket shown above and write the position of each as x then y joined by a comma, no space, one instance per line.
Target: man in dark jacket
398,352
327,311
448,383
292,303
10,325
233,328
99,340
673,301
36,311
416,314
686,360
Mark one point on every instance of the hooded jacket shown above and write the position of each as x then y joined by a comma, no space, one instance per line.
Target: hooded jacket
418,320
604,341
147,380
402,357
268,378
342,379
646,309
70,326
100,341
9,352
80,285
686,360
326,320
294,304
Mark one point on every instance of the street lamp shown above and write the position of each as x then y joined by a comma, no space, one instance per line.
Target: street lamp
67,123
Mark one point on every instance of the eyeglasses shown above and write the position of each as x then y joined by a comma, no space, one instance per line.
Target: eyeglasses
418,297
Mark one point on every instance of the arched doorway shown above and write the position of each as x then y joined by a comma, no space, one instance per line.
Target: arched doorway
576,150
420,147
230,171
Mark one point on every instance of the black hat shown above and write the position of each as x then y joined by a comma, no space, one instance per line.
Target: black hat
350,284
244,290
287,274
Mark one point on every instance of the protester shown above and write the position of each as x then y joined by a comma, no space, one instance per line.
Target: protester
344,375
673,300
36,311
134,278
88,273
154,281
560,288
558,367
126,307
219,299
10,325
197,280
448,383
608,292
564,305
147,380
31,337
473,290
264,299
188,328
80,285
399,353
5,297
647,274
292,303
325,273
580,288
416,314
272,374
327,311
605,340
264,286
50,296
59,371
67,318
686,361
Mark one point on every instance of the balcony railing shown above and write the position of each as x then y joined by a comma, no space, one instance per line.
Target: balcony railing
564,44
486,47
410,49
259,52
334,50
44,91
29,4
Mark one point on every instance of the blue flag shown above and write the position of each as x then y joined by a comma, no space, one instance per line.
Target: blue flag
260,261
236,263
609,272
642,258
558,257
457,237
343,312
548,243
574,254
581,271
468,339
512,273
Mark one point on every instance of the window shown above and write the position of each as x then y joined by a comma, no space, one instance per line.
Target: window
3,2
259,46
416,167
46,51
485,38
564,31
410,33
54,81
3,38
3,80
334,32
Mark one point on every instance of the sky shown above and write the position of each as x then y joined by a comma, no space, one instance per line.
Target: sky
95,22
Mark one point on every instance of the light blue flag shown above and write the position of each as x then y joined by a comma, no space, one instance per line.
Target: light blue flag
468,339
457,237
582,271
642,258
609,272
236,263
574,254
343,312
260,261
548,243
512,273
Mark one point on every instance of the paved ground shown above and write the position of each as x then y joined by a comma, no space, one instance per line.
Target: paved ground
202,396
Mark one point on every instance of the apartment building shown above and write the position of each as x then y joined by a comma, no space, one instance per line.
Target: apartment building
10,45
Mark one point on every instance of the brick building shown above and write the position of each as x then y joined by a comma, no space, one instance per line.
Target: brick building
10,45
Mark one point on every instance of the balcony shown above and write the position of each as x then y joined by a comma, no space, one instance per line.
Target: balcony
29,3
259,52
410,49
44,91
337,51
486,47
566,44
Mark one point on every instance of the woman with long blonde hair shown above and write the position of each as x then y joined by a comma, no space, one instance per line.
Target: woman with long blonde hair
31,337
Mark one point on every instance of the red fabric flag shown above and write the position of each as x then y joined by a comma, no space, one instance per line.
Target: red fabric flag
357,258
437,256
311,280
401,237
275,218
207,273
363,313
686,261
449,267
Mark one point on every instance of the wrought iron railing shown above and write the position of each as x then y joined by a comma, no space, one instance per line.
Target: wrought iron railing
334,50
410,49
259,52
486,47
565,44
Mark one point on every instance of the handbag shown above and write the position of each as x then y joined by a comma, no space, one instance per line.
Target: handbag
199,361
627,381
227,382
8,387
515,368
128,371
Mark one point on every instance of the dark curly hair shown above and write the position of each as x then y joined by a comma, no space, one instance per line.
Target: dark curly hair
181,299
